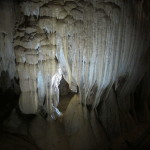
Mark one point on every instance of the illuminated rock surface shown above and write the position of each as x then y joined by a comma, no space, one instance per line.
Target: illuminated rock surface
98,50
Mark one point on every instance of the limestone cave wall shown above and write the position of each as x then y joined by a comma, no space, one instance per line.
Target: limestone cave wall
99,47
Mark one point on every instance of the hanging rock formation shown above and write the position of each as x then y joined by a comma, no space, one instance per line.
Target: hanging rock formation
98,47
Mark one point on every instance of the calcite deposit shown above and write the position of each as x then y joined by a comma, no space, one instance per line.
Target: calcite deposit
86,58
96,46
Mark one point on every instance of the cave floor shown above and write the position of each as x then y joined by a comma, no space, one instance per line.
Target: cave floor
36,133
40,134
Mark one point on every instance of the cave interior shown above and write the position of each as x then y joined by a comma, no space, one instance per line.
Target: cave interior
75,75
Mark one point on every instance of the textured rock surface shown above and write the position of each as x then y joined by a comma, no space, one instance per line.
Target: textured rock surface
96,44
93,44
101,48
9,88
7,56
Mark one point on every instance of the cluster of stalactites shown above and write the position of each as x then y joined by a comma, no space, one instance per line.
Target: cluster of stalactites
96,44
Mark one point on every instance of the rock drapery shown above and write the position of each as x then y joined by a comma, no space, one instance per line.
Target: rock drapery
98,46
94,44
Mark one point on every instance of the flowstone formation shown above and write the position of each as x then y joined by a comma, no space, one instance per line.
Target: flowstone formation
97,46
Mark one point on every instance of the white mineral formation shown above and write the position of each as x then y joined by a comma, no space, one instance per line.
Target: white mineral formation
95,45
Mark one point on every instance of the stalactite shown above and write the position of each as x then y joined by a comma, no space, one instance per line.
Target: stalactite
31,8
96,44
